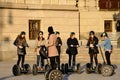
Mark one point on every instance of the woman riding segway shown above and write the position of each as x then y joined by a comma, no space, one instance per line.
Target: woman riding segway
107,69
21,44
93,49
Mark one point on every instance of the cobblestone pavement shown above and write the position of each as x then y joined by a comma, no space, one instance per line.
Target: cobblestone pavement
6,74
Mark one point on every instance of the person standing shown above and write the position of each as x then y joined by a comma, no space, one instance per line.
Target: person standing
72,44
107,47
52,50
40,43
58,46
93,49
21,44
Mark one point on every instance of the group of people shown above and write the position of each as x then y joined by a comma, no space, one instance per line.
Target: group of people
54,44
93,45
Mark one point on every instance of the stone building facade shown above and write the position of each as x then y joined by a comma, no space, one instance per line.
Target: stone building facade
34,15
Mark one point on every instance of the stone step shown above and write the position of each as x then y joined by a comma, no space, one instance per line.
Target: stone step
82,56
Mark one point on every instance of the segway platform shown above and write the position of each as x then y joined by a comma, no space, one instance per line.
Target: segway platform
75,68
16,70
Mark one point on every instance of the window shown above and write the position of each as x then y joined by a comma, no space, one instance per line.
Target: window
34,27
109,4
118,26
108,25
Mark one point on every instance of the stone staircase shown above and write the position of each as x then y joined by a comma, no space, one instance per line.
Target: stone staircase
82,56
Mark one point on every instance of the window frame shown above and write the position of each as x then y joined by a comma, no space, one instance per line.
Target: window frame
34,28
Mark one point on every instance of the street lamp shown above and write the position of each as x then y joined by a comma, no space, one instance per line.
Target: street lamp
76,5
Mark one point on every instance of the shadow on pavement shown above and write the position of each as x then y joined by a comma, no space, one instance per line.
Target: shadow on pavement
66,76
3,78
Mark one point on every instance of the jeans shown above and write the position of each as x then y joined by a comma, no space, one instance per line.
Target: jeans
38,60
73,59
19,59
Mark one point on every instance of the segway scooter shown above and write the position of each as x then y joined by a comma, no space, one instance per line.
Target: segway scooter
49,73
74,68
106,70
90,68
43,53
17,70
53,74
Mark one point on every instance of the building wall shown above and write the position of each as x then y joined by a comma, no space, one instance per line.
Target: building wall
15,18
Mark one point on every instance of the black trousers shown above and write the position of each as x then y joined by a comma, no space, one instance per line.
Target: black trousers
58,57
22,59
95,58
53,63
107,55
72,58
58,61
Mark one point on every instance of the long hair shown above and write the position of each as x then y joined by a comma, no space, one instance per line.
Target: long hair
39,38
21,39
91,39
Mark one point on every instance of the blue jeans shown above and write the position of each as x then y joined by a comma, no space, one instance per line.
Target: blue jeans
38,60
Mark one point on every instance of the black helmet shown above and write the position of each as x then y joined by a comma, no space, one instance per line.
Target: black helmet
91,33
104,34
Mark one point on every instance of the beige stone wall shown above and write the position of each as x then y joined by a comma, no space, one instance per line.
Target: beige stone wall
53,2
65,20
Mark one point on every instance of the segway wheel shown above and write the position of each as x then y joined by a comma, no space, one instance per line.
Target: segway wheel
47,74
63,68
98,68
74,68
27,69
47,67
66,68
107,70
16,70
87,69
78,68
35,70
55,75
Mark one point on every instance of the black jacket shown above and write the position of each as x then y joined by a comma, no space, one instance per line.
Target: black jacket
59,44
22,43
93,50
74,42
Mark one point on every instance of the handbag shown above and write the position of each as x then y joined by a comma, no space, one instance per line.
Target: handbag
44,52
68,50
